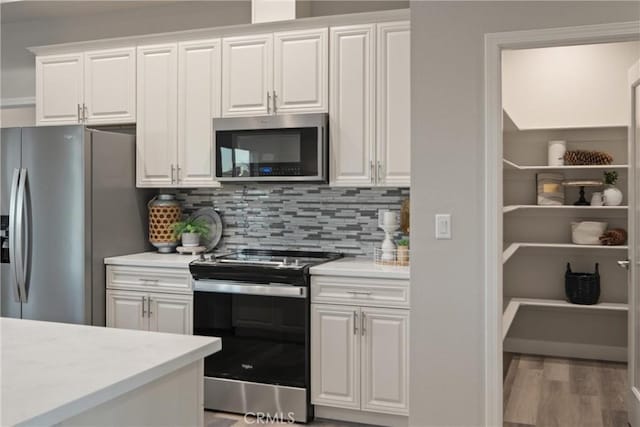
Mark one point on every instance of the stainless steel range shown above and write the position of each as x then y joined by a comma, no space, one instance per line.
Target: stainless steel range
258,302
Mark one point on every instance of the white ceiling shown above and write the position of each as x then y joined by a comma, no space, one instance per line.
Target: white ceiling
26,10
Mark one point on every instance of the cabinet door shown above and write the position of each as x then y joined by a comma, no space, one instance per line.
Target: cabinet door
335,355
59,89
247,75
157,114
110,86
127,310
394,102
171,313
385,360
199,99
301,71
352,106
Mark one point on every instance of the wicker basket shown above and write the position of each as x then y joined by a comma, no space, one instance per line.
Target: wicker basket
582,288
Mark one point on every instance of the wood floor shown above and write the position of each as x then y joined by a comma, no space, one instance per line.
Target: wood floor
549,392
223,419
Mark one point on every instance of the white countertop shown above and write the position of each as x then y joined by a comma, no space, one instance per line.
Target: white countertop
54,371
360,267
152,259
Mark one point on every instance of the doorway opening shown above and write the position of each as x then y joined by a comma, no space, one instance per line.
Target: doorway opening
560,216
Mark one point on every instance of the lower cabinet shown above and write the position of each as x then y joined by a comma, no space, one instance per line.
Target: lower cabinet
159,312
359,358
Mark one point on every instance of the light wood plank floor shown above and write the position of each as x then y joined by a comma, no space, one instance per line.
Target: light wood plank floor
223,419
550,392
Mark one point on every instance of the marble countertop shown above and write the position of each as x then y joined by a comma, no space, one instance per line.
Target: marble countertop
360,267
152,259
54,371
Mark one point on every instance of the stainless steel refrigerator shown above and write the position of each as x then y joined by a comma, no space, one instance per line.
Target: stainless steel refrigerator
68,200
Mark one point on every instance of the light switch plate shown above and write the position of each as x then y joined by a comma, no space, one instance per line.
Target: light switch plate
443,226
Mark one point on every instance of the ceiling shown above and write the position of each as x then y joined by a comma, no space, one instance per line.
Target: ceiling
23,10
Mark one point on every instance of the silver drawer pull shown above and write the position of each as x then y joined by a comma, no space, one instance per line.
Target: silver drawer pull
359,292
148,280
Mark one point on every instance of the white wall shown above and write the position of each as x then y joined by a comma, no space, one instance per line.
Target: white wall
447,298
568,86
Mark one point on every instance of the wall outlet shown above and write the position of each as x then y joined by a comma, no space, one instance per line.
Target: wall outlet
443,226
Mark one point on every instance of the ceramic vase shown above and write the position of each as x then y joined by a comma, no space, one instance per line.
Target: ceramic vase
190,239
612,196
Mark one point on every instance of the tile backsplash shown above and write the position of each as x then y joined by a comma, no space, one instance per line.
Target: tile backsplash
300,216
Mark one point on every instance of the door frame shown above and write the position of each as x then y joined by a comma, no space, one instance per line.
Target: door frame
494,43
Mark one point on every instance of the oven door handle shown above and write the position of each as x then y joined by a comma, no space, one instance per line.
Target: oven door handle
223,287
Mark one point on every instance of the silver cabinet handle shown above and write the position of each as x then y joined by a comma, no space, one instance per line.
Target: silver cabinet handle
22,236
624,264
268,102
364,323
379,171
143,300
79,115
359,292
178,174
355,323
372,166
13,232
84,112
275,107
149,306
173,170
143,280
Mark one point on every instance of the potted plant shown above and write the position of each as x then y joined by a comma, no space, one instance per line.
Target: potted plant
403,251
190,230
612,195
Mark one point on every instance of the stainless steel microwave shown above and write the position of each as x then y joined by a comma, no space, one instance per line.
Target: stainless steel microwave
288,147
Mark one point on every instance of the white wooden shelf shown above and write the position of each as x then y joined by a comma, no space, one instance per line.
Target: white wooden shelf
514,247
514,304
513,208
513,166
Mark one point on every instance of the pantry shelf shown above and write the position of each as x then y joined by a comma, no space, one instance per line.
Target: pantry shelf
514,304
513,208
513,166
514,247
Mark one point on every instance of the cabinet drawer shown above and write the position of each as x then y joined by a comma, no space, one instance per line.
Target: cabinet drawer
360,291
175,280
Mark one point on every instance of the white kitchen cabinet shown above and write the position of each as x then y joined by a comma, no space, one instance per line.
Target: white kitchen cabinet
96,87
247,75
352,105
110,86
301,71
59,89
335,353
171,313
157,112
385,367
199,86
126,310
369,86
393,118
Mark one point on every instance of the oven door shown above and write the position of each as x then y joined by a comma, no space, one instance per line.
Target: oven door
264,331
275,148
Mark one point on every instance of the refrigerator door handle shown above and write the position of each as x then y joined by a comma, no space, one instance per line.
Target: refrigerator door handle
12,231
22,235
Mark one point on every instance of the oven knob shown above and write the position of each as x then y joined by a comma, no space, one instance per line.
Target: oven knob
285,261
297,263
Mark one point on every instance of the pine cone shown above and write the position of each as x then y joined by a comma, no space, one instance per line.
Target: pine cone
614,237
582,157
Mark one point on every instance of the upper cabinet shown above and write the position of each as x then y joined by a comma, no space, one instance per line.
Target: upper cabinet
275,73
370,105
97,87
247,75
178,96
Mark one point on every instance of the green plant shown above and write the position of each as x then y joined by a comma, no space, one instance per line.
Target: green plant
190,225
610,178
403,242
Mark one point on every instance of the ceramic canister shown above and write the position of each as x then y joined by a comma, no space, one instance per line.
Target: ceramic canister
164,211
556,152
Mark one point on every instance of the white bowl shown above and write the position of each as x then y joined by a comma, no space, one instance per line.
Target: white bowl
587,232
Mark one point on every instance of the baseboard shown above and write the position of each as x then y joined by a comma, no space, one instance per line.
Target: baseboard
362,417
563,349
